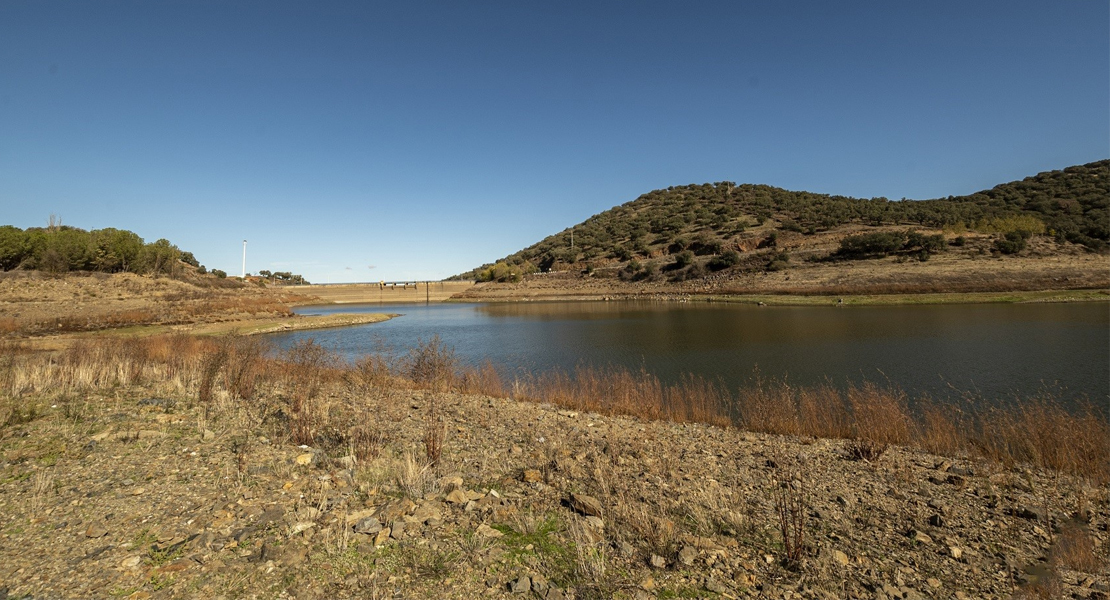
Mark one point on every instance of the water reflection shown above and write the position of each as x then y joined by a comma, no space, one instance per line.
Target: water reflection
996,350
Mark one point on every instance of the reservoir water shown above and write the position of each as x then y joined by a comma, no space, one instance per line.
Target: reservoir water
996,351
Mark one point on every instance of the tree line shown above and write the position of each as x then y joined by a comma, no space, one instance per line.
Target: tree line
60,248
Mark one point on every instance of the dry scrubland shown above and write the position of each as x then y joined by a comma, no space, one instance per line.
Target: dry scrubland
37,304
963,271
175,466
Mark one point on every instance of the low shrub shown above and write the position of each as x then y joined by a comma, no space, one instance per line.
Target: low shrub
728,258
885,243
1012,242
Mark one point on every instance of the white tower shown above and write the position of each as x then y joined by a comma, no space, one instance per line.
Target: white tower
244,275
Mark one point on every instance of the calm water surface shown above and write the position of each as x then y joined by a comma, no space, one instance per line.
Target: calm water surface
998,351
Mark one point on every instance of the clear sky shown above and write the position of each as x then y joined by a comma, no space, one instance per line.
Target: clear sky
427,138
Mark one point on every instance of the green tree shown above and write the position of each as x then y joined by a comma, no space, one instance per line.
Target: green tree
14,247
115,250
160,258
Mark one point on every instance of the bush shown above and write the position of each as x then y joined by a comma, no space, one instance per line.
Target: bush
704,246
925,244
683,259
791,225
503,272
770,241
883,243
432,364
1005,225
1012,242
866,245
694,271
729,258
778,262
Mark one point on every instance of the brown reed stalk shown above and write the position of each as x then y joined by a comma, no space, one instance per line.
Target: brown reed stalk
433,431
788,488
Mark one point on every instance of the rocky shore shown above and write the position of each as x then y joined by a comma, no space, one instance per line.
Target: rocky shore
141,491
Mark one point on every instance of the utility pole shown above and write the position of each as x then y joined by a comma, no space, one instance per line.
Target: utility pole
244,275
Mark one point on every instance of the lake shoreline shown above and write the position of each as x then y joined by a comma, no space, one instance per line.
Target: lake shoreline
1020,297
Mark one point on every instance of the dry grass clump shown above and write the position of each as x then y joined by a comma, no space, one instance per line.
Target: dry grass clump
370,374
9,354
872,418
880,418
591,557
366,442
618,391
484,381
432,365
1074,549
415,477
942,428
646,524
307,367
245,366
8,326
433,431
1043,433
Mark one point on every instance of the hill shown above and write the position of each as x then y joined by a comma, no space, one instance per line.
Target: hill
724,230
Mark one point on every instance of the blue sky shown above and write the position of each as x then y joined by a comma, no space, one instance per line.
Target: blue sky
426,138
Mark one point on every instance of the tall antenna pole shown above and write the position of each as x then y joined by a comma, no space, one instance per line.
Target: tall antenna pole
244,275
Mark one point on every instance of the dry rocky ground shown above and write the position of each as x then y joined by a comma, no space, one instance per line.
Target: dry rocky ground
139,491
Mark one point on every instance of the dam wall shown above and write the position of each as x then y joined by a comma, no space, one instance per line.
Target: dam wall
385,292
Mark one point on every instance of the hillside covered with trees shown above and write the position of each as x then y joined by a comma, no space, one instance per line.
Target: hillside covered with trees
59,248
674,228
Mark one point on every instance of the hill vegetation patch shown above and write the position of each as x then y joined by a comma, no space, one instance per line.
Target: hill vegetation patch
695,232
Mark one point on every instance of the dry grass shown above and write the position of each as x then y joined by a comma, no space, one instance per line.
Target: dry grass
880,418
415,477
484,381
618,391
591,559
1075,549
307,367
366,442
788,489
42,485
370,374
433,431
1040,431
432,365
1043,433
